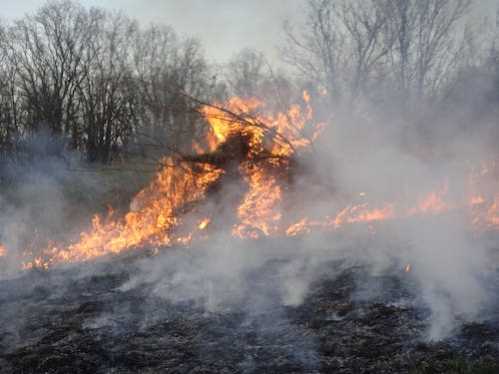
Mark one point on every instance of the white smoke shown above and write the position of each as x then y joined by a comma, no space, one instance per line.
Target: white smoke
386,159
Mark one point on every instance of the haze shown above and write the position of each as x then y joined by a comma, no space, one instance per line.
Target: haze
224,26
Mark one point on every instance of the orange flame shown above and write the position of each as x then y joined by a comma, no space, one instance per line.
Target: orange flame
157,213
259,211
153,215
204,224
362,213
272,140
433,203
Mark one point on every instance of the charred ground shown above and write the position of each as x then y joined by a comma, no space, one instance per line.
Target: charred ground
96,318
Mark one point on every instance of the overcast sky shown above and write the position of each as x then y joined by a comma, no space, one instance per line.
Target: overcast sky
224,26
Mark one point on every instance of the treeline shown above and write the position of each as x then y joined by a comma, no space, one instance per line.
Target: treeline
402,51
98,82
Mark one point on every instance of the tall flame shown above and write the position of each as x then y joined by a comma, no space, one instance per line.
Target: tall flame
271,141
156,211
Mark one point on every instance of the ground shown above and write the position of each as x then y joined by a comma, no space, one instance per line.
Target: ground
93,318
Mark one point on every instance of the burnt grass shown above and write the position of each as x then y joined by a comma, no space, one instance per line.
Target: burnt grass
82,320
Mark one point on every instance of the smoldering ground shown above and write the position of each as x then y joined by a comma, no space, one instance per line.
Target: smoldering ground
299,305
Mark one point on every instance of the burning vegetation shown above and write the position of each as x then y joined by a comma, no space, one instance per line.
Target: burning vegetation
261,150
340,216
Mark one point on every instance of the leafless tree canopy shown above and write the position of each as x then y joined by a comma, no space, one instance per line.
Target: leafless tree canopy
353,47
96,80
106,86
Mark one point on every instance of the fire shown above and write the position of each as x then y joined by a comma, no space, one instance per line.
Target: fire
303,226
156,213
433,203
492,213
272,140
204,224
477,200
151,220
263,146
259,212
3,250
223,124
362,213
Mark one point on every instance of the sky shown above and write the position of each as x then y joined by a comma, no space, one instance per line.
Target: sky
224,26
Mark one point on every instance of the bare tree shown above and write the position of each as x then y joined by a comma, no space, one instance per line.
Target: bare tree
250,75
99,82
10,110
427,46
369,43
167,67
319,52
246,72
349,46
49,53
107,93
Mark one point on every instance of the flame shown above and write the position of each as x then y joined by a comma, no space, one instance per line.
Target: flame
263,144
272,140
492,213
259,211
156,213
433,203
153,216
477,200
303,226
223,124
362,213
204,224
306,96
3,250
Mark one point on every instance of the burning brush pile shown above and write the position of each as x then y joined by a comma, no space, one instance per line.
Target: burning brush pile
260,150
316,277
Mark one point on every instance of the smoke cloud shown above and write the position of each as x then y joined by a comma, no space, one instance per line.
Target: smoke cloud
362,159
